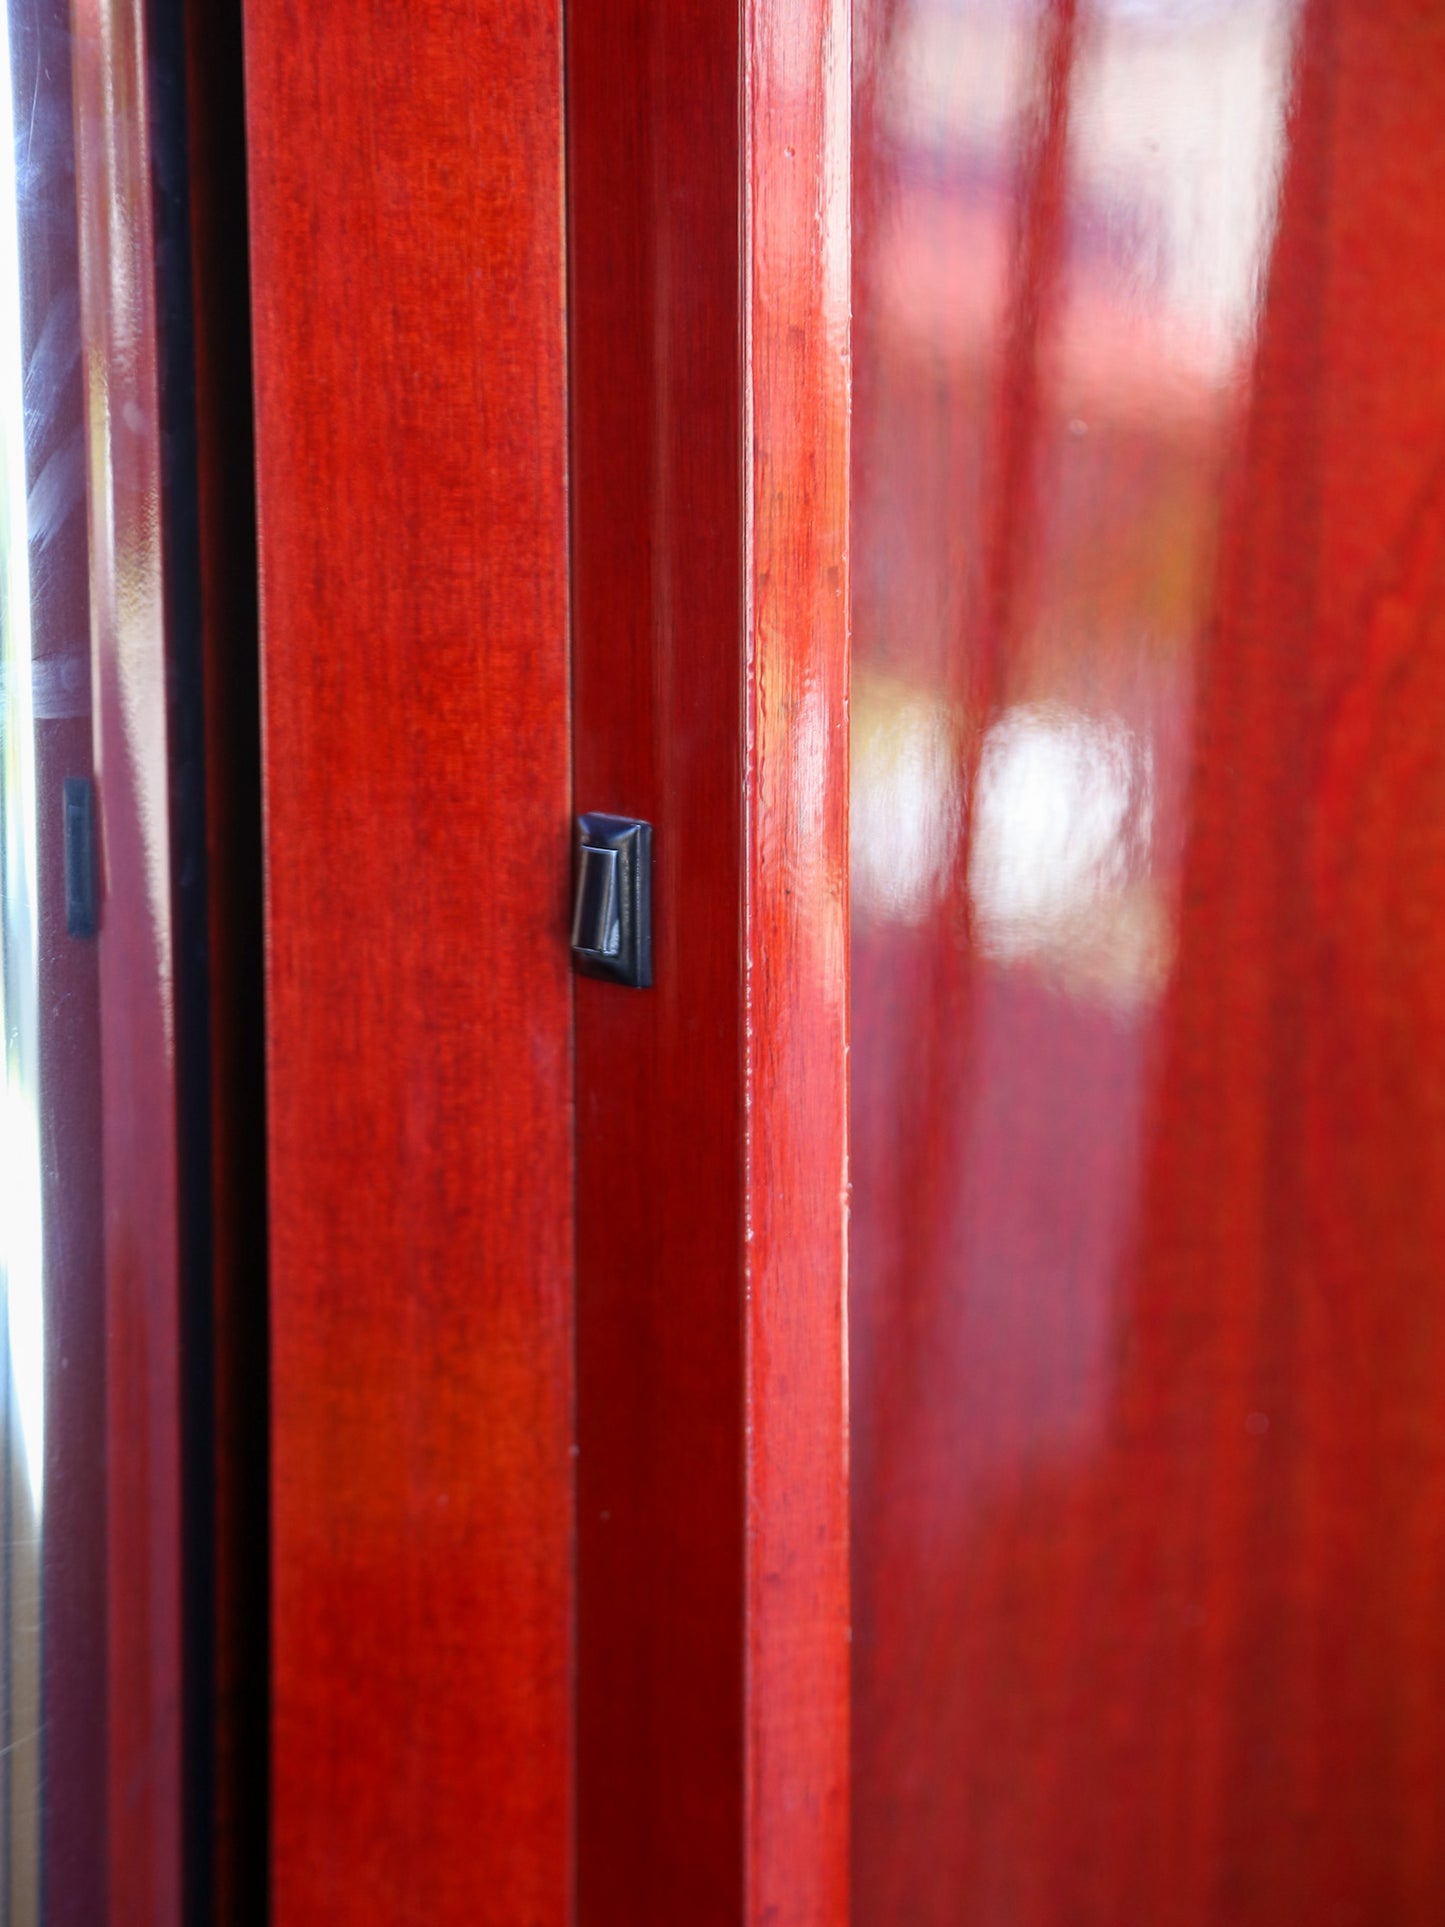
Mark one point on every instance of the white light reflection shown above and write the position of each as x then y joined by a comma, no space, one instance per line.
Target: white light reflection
1062,800
1060,871
1060,866
904,800
21,1264
21,1234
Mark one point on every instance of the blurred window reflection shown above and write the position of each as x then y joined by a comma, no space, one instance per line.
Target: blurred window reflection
1064,218
21,1229
52,1624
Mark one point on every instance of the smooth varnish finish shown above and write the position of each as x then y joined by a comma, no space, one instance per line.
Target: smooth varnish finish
1149,1034
141,1227
406,211
796,252
710,436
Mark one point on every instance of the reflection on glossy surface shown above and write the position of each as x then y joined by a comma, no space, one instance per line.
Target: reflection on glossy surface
124,96
51,1412
21,1233
1149,1472
1059,860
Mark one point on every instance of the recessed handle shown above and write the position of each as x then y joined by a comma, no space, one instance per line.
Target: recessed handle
596,922
612,909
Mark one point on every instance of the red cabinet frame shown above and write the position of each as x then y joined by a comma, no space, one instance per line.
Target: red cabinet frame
406,196
428,1248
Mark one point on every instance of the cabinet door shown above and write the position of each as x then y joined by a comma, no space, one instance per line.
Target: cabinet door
1149,812
557,515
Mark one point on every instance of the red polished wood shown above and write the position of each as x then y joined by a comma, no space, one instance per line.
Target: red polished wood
657,678
136,963
657,496
708,196
796,75
407,293
1149,1460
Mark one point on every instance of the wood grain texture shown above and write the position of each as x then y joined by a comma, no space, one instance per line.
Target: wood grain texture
709,503
1149,1463
407,292
136,964
796,78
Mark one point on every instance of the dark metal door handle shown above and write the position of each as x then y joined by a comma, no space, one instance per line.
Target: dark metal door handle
612,911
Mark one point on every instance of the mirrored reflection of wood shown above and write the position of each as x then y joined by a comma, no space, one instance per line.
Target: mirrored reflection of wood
51,1323
1149,1046
90,1553
143,1029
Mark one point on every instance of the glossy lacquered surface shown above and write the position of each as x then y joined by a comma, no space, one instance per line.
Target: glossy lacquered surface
72,1624
52,1316
796,345
406,227
708,318
1149,1052
142,1713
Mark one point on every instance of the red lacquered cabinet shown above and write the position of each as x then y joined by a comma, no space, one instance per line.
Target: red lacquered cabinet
931,1410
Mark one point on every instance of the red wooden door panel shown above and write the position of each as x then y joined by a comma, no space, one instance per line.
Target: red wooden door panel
406,209
1149,1497
709,333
